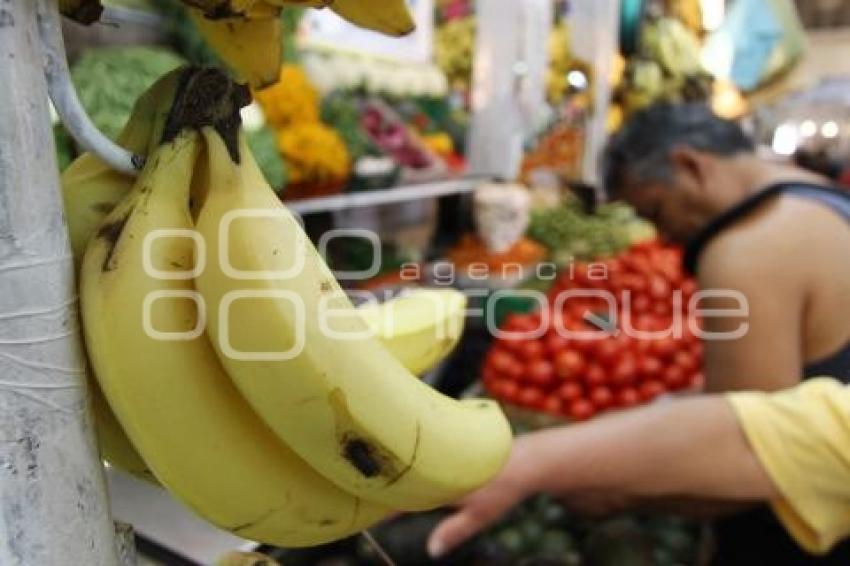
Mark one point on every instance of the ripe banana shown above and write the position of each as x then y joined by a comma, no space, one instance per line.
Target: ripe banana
341,401
420,328
178,407
390,17
252,47
90,190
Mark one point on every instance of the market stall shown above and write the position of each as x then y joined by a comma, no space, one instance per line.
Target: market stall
405,199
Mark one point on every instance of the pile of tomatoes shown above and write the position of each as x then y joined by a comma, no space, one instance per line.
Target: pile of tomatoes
586,354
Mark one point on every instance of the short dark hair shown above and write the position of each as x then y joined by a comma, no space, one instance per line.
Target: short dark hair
640,151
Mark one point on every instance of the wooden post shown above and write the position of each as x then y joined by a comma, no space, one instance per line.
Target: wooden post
53,504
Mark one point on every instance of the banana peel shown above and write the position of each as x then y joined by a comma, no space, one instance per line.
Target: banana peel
252,47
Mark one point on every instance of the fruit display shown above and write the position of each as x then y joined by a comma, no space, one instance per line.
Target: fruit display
570,233
667,68
332,70
291,462
387,131
248,34
628,344
470,253
559,149
454,44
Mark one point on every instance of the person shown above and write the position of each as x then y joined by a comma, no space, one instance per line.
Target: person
776,234
791,448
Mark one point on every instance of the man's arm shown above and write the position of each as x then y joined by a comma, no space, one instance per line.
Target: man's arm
636,453
752,263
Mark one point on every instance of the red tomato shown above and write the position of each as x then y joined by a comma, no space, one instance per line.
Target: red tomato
650,366
637,263
530,397
555,344
581,410
674,377
627,397
519,323
688,288
541,372
697,350
613,265
584,346
553,405
531,350
569,365
601,397
640,304
643,347
606,351
685,360
649,390
489,375
595,375
634,282
512,345
509,389
500,361
662,307
659,288
664,347
515,370
570,391
625,371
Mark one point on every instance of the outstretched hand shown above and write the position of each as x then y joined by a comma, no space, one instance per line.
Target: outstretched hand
486,506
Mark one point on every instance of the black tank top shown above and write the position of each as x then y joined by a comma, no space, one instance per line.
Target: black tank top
756,537
836,365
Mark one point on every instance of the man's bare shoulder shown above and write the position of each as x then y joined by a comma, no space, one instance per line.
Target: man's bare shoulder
783,232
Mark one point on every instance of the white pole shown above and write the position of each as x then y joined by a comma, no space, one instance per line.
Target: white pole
53,505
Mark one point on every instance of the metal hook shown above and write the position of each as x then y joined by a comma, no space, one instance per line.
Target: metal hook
67,103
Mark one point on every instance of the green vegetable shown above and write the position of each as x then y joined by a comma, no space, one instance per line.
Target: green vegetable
109,80
570,233
341,111
65,152
263,144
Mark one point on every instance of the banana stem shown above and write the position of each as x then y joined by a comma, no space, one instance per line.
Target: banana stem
67,103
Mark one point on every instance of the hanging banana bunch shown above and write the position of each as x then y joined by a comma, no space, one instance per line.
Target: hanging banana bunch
248,34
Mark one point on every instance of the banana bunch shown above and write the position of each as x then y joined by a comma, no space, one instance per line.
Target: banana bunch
247,34
361,436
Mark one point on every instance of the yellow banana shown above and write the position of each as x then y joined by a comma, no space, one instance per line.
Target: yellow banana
285,332
420,328
90,190
390,17
252,47
178,407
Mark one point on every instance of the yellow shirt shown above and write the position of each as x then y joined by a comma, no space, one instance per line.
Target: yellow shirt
802,438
